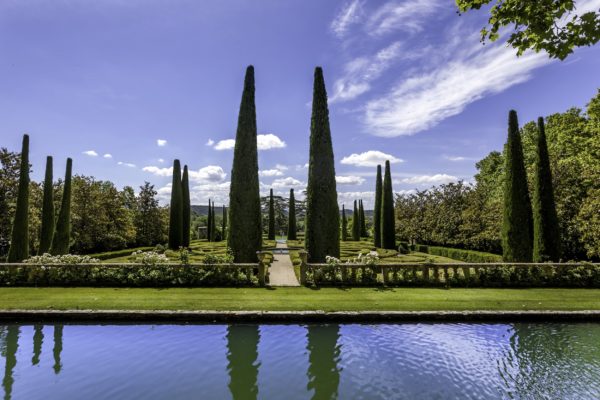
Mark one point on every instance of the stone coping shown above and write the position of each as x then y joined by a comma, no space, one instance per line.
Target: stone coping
207,316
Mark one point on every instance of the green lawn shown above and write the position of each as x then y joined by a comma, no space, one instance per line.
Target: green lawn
290,299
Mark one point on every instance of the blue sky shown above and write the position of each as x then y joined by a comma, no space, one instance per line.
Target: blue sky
126,86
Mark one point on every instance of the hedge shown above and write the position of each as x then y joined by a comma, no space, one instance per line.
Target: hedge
129,275
107,255
469,256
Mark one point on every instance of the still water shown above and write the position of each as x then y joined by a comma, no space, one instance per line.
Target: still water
388,361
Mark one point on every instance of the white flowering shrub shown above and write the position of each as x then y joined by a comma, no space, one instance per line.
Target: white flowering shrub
149,257
47,258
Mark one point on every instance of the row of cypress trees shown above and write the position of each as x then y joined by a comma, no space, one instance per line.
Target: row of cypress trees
180,208
211,226
528,233
55,234
384,224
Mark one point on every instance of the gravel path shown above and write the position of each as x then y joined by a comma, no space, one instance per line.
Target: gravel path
281,271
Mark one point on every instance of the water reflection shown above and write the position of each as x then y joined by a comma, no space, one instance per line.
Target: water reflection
38,340
58,345
10,352
242,356
323,357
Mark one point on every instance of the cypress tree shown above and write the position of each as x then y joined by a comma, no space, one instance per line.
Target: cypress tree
209,229
245,217
322,210
363,222
344,225
517,223
48,222
61,242
546,239
271,217
388,230
355,223
213,224
377,209
187,208
291,235
176,212
224,223
19,244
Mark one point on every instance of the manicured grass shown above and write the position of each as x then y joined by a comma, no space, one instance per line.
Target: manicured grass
291,299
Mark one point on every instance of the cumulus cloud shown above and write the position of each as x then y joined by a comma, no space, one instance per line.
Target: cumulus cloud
226,144
158,171
350,14
126,164
430,179
91,153
107,155
370,158
266,141
348,198
210,173
210,142
349,180
161,142
288,182
270,172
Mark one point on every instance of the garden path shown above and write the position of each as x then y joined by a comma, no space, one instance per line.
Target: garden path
281,271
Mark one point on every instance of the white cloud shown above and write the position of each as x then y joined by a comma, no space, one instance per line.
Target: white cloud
349,180
361,71
370,158
158,171
161,142
348,198
91,153
270,172
288,182
350,14
126,164
406,15
459,158
160,160
210,142
430,179
107,155
210,173
226,144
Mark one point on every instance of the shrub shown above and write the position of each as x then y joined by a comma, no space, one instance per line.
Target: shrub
107,255
149,257
403,248
48,258
469,256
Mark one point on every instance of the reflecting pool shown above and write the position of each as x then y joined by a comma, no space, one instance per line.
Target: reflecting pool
386,361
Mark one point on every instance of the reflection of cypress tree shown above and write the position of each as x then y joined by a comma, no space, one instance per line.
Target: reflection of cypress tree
242,354
38,339
58,345
323,356
12,344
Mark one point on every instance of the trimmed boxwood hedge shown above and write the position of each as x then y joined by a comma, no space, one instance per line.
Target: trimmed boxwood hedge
107,255
469,256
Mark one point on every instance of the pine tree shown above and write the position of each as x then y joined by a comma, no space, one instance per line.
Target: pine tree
271,232
363,222
19,244
291,235
176,212
377,209
546,239
245,217
61,242
344,225
224,223
209,229
322,236
48,222
186,208
388,230
517,224
355,223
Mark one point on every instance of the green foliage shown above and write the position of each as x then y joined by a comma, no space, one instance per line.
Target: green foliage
176,209
388,235
149,225
61,242
292,235
19,244
377,209
213,224
224,224
363,223
517,224
108,255
209,221
355,223
546,240
48,222
539,25
186,208
469,256
344,225
322,235
403,247
9,182
271,233
149,258
245,219
47,258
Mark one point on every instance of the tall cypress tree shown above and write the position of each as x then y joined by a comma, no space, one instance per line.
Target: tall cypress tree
271,217
19,244
291,235
388,230
213,224
363,222
245,217
322,236
187,208
355,223
224,223
517,224
344,225
377,209
48,222
546,239
61,242
209,229
176,212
